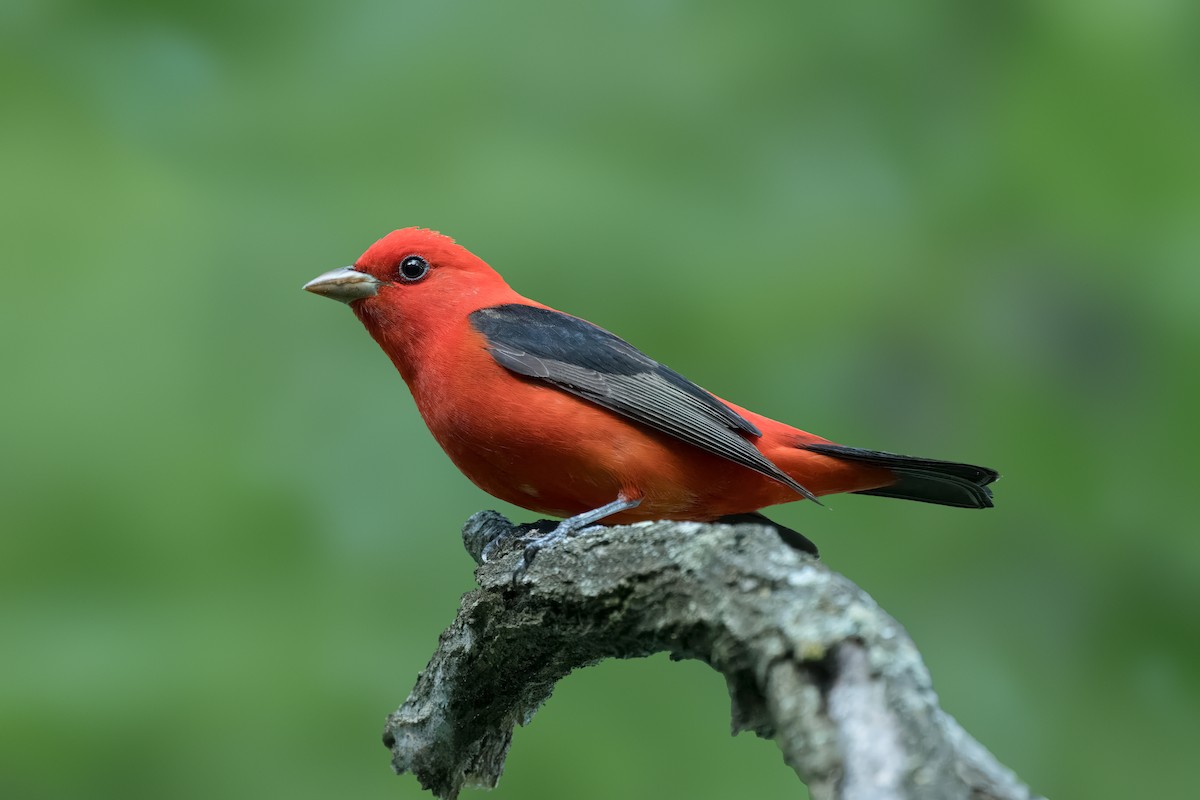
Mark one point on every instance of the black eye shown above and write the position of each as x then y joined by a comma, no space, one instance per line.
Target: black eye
413,268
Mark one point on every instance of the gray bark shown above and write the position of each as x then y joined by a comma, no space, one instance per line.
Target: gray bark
809,658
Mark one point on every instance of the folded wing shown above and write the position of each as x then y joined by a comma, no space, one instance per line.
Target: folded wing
581,358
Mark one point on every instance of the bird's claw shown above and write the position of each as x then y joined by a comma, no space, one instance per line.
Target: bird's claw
530,552
508,534
532,548
486,553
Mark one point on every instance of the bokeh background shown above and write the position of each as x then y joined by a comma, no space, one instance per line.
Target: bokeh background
961,230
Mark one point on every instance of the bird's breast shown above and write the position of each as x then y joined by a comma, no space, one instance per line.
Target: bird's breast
539,447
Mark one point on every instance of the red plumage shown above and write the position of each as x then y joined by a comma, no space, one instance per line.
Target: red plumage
550,413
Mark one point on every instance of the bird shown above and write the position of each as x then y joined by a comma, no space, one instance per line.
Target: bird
549,412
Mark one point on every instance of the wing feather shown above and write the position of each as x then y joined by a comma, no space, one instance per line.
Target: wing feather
581,358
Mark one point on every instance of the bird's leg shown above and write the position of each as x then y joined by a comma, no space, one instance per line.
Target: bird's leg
573,525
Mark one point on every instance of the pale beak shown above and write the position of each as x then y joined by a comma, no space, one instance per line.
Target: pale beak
346,284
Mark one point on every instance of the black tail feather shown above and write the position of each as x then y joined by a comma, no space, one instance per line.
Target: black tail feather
926,480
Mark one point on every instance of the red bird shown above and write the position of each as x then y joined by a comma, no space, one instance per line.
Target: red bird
552,413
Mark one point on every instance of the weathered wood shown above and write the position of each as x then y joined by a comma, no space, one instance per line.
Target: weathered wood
809,658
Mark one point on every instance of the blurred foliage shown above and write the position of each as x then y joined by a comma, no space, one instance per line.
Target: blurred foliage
963,230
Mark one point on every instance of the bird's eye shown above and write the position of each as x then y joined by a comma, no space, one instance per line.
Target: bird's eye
413,268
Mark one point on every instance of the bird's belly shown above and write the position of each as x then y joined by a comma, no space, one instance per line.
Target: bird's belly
572,456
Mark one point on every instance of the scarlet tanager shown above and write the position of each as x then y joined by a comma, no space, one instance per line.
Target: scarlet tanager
554,414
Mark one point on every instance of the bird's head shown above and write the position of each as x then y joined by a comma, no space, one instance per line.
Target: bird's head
411,286
406,269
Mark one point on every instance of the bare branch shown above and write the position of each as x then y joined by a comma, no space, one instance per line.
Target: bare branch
809,658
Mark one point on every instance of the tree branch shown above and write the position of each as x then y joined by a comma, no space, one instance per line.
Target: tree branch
810,660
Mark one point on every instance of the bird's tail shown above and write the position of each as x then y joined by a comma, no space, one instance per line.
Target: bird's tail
927,480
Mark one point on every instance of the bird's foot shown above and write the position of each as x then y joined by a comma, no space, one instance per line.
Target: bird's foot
488,533
562,531
572,525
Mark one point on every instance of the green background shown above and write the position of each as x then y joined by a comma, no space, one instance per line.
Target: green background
961,230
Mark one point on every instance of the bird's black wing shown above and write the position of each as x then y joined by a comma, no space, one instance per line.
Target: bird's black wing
585,360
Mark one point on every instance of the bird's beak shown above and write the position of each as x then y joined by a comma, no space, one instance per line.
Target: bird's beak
346,284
